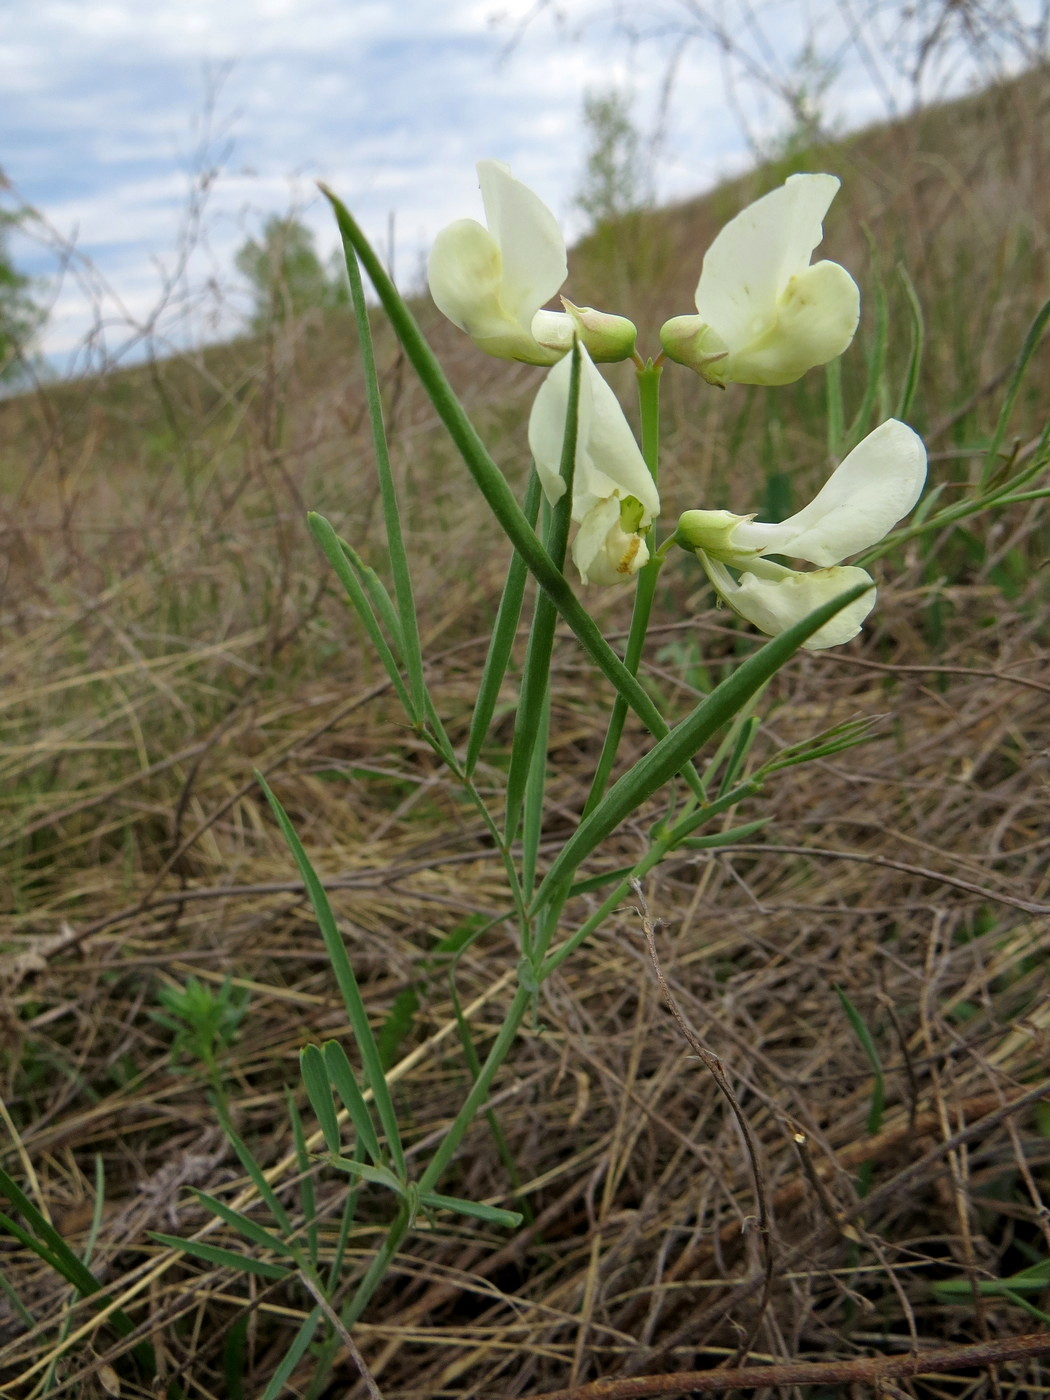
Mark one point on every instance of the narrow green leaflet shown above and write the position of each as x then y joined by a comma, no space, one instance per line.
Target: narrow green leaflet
332,546
1032,342
341,1073
670,755
511,1219
344,975
918,342
406,606
250,1229
314,1071
224,1258
45,1241
293,1355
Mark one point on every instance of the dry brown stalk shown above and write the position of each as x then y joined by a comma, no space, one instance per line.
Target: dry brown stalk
869,1371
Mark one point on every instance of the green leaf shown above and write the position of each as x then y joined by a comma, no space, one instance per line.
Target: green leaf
224,1258
48,1245
1032,342
341,1073
293,1355
511,1219
878,1091
335,553
406,607
918,340
252,1167
314,1071
344,975
244,1225
669,756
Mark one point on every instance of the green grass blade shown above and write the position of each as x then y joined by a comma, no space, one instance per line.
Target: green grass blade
307,1196
745,737
510,1219
1031,344
406,607
490,479
235,1358
8,1289
224,1258
47,1244
250,1229
918,343
341,1073
876,367
332,546
314,1071
293,1355
671,754
878,1089
344,975
503,635
535,681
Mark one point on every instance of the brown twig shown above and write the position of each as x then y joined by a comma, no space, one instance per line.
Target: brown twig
867,1371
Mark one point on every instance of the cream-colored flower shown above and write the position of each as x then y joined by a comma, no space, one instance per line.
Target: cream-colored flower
492,282
862,500
614,497
766,315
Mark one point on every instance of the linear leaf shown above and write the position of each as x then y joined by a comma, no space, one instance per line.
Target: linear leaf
224,1258
509,1218
314,1071
341,1073
344,975
669,755
250,1229
293,1355
331,544
406,607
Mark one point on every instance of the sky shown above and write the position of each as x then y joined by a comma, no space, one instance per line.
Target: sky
153,139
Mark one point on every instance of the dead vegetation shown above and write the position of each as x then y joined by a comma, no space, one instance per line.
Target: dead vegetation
869,970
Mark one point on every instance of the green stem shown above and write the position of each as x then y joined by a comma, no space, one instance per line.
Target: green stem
649,405
479,1093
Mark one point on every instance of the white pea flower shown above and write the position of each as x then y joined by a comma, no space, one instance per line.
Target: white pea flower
766,315
614,497
492,282
862,500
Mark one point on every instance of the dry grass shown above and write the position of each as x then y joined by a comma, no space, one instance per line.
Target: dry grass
168,627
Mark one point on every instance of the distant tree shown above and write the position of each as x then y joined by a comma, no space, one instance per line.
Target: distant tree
615,179
287,275
20,317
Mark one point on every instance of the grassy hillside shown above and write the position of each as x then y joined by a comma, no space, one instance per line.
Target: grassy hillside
870,968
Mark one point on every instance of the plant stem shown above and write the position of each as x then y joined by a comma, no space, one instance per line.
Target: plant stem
649,406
